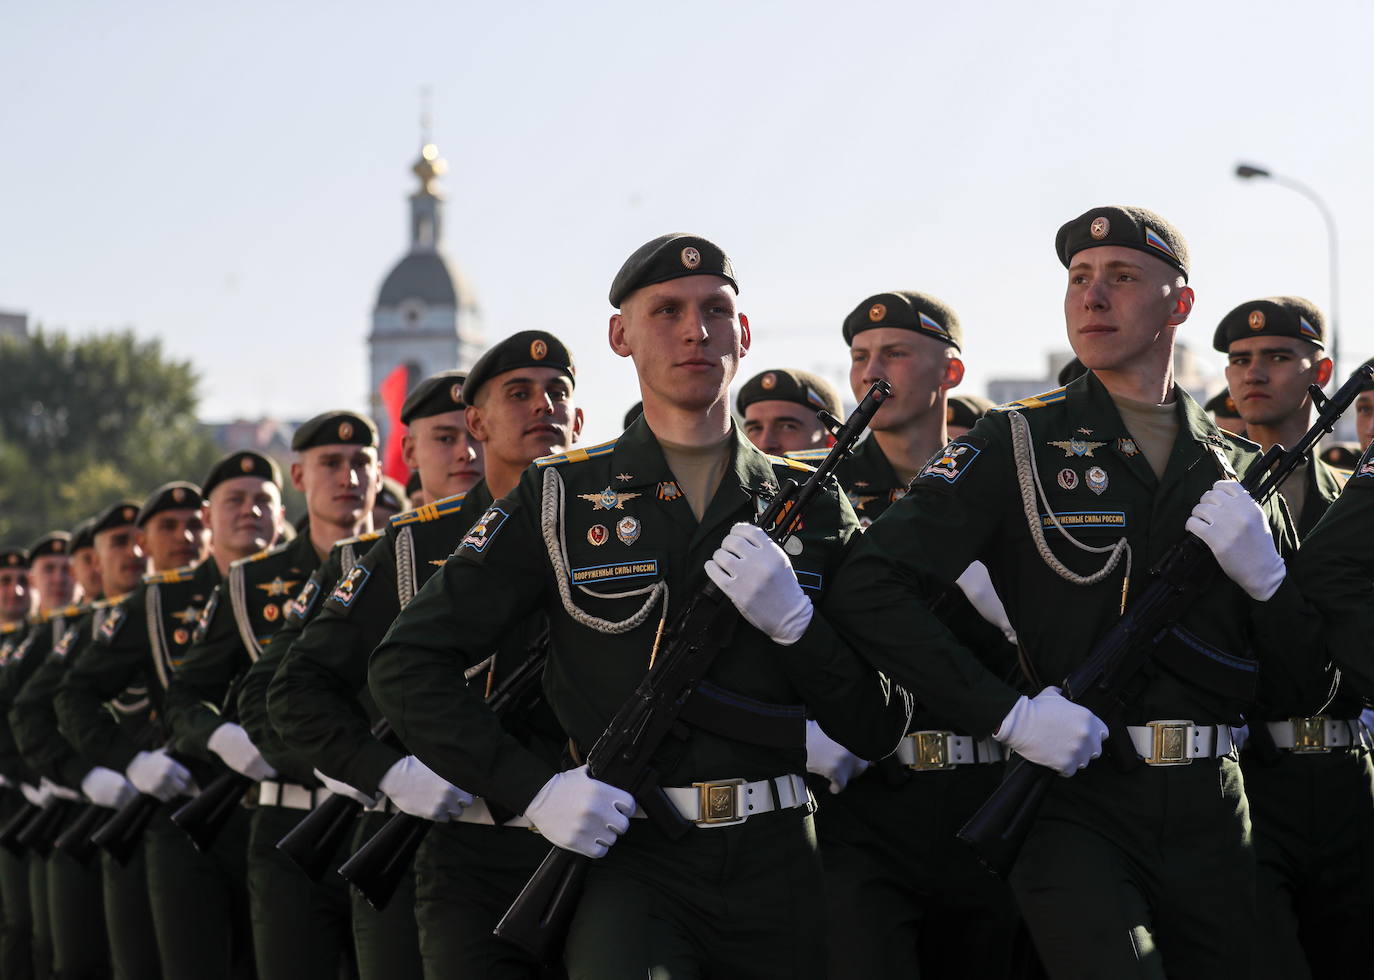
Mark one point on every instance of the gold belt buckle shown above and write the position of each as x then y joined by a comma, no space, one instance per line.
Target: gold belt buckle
718,802
1309,734
931,751
1169,747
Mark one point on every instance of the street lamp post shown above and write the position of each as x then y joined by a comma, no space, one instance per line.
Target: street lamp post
1248,171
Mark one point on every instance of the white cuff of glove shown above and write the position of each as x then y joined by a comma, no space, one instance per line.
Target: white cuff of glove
976,584
579,813
1234,528
757,576
232,744
340,788
420,791
1052,731
829,759
158,774
34,794
57,791
107,788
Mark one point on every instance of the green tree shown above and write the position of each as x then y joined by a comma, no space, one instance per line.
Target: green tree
85,422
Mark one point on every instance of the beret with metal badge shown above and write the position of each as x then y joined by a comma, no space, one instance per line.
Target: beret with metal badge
13,557
52,543
83,535
177,495
905,309
121,514
787,385
1129,227
437,394
528,348
335,428
672,256
242,463
1276,316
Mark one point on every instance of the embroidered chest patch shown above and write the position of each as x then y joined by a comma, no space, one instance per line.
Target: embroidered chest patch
614,571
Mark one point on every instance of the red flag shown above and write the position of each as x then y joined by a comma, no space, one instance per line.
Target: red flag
394,388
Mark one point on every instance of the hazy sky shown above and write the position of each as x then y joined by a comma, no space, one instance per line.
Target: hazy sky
234,181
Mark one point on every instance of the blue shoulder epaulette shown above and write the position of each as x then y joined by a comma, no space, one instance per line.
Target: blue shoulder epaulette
576,455
1034,401
429,512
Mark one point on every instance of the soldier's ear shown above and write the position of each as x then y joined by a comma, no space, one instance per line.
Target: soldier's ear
954,373
1324,368
615,334
1183,306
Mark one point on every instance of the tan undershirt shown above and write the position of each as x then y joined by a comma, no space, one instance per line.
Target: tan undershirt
1294,490
1153,427
698,470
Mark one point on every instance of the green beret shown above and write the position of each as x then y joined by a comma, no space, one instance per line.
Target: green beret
333,429
1134,228
1223,404
242,463
1341,455
14,557
528,348
636,410
783,385
121,514
965,410
52,543
670,257
83,535
177,495
1277,316
437,394
905,310
1071,372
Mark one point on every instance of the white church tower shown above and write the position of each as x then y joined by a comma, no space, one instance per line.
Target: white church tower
426,316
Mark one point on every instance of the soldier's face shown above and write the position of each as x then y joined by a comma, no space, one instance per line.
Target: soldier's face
175,538
86,568
1364,418
244,515
783,427
122,563
917,367
15,597
1121,306
1268,377
686,339
526,413
52,579
340,482
448,457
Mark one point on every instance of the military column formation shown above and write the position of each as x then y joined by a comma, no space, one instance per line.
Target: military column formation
414,696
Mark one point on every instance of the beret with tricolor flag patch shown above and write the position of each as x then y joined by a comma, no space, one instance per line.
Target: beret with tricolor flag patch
1129,227
906,310
786,385
1276,316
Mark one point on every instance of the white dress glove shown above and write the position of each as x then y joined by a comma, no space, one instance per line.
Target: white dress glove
420,791
977,586
339,788
158,774
829,759
35,794
107,788
579,813
232,744
55,791
756,575
1052,731
1233,526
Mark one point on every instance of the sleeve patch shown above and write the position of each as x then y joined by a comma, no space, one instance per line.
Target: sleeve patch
950,463
299,608
481,533
1364,469
109,626
348,589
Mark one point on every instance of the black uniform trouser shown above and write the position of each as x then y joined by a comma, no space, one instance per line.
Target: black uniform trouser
466,876
1146,874
129,917
38,911
200,901
386,942
16,916
738,902
76,910
300,927
1313,820
904,898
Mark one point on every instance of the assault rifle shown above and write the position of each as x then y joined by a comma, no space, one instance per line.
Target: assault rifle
999,827
379,865
77,840
205,814
623,756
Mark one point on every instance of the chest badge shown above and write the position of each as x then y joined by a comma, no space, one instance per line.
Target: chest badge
280,586
627,530
1127,447
1097,479
608,499
1068,479
1077,447
598,535
669,491
624,477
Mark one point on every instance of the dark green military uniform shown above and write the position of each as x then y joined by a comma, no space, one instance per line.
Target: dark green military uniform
385,942
867,477
128,915
299,926
743,898
16,917
1336,570
199,900
1130,869
466,874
